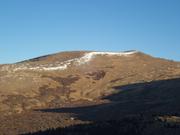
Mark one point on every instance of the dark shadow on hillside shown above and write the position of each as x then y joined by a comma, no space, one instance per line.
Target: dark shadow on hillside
123,127
137,125
148,98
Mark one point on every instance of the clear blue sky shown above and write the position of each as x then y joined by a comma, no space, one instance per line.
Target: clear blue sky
30,28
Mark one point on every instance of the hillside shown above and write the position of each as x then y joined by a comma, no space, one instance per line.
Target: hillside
79,87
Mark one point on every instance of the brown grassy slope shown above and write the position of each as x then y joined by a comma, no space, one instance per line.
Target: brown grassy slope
25,89
157,100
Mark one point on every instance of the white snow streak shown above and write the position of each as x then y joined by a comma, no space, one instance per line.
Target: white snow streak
64,65
89,56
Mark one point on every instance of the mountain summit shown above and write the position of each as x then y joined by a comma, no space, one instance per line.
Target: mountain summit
78,75
62,61
82,78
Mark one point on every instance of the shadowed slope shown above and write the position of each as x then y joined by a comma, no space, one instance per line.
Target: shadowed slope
153,97
134,109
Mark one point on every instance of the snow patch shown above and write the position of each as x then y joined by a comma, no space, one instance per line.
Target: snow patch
63,65
89,56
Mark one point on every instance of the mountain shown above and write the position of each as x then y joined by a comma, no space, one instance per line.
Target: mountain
70,88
